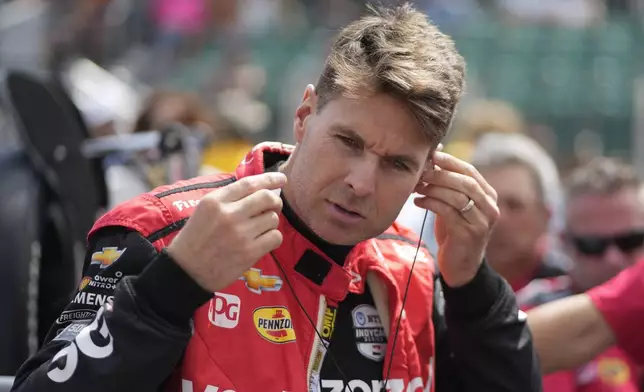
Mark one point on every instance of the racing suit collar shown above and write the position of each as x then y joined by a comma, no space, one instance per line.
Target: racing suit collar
337,253
303,255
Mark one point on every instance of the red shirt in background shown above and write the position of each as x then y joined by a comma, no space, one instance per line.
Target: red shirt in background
621,302
611,371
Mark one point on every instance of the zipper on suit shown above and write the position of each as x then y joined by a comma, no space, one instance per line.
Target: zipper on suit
318,351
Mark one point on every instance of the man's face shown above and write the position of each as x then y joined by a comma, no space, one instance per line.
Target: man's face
355,164
524,218
605,234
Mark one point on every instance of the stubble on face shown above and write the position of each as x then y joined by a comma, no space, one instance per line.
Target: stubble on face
356,163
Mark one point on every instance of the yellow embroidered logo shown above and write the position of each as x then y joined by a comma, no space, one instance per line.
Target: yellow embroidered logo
274,324
613,371
84,282
256,282
106,256
328,323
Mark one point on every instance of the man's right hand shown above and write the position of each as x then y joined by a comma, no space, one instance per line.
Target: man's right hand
230,229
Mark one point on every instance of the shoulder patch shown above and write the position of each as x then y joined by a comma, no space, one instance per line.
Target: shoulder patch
194,187
179,204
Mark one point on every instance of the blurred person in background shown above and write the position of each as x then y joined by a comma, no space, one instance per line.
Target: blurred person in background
130,174
181,26
604,221
568,13
77,29
571,331
603,235
525,178
164,109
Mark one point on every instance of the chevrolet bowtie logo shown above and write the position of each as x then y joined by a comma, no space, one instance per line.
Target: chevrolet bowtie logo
106,256
256,282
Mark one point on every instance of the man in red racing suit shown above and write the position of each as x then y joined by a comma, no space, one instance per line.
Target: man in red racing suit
253,335
289,275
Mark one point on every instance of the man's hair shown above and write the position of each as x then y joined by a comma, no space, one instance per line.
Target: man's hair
601,176
503,149
399,52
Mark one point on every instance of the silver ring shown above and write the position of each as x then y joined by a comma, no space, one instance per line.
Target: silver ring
468,206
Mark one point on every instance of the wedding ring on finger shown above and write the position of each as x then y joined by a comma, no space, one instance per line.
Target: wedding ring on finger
468,206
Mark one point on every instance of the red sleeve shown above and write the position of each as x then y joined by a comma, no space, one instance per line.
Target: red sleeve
621,302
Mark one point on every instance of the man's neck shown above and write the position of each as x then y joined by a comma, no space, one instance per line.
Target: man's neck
337,253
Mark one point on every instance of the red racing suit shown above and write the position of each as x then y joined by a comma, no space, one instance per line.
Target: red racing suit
611,371
268,330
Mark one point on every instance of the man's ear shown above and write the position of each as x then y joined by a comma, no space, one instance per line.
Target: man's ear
428,169
307,107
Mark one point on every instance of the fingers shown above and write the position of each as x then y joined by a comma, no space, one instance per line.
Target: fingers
452,164
249,185
466,188
440,205
261,224
440,208
261,201
267,242
455,199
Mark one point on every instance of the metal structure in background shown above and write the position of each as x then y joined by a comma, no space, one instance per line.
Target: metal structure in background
23,212
23,35
5,384
53,194
52,189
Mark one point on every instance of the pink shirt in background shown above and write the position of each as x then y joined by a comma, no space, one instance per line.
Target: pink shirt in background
185,16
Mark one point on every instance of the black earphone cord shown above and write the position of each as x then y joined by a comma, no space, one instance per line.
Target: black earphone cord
326,345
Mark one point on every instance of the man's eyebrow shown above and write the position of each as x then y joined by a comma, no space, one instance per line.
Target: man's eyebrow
348,132
409,160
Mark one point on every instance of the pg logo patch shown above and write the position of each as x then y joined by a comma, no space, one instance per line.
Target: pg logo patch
274,324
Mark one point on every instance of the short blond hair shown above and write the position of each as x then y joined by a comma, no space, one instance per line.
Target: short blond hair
398,51
602,175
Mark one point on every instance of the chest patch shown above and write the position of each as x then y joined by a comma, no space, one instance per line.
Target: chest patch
369,333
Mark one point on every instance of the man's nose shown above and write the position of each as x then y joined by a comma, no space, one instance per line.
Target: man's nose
362,176
616,257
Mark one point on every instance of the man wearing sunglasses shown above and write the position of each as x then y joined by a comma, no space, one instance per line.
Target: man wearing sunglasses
604,222
604,235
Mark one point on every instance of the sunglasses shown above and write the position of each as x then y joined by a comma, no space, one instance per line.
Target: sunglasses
596,246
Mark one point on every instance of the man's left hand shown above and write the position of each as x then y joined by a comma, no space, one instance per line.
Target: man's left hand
466,211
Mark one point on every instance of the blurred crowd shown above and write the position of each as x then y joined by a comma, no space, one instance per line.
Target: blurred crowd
571,218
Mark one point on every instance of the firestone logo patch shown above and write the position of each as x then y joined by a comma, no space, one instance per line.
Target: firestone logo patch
274,324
